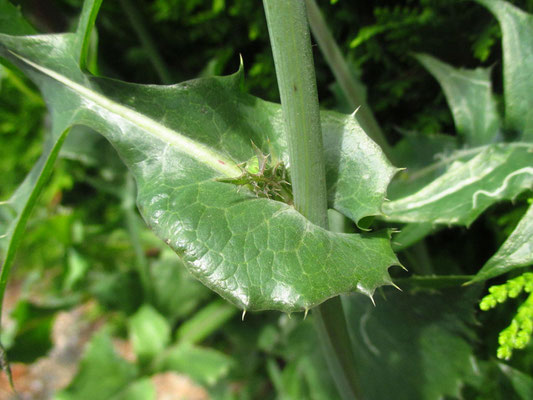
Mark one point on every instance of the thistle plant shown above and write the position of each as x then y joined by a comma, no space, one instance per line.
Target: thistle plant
226,208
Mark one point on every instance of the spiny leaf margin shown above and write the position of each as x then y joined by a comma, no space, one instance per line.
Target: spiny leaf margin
309,266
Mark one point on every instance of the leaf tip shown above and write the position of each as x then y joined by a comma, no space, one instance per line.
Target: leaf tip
305,313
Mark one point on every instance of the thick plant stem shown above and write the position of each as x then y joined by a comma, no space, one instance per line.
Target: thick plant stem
352,89
291,46
330,323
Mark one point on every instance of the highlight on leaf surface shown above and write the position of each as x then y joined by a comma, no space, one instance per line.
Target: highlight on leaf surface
183,142
459,186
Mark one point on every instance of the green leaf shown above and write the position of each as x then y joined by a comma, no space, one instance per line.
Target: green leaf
298,345
357,171
23,200
117,290
11,20
31,333
102,373
206,366
459,196
522,383
478,177
517,42
205,321
176,292
515,252
418,153
77,267
142,389
85,28
149,333
180,140
416,342
469,95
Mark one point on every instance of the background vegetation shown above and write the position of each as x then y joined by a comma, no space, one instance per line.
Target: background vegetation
99,244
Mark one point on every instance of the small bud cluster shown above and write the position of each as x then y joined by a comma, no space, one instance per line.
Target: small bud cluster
265,177
518,333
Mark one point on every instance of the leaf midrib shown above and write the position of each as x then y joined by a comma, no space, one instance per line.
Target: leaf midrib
458,154
198,151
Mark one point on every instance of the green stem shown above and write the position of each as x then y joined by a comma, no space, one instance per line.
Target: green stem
352,89
291,47
330,322
146,41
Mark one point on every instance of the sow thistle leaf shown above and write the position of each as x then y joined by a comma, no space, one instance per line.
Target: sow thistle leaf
180,140
515,252
517,30
475,178
469,95
418,342
415,152
459,196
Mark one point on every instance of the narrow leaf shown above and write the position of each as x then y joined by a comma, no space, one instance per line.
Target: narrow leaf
205,321
460,195
515,252
20,205
23,200
517,30
85,28
469,95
